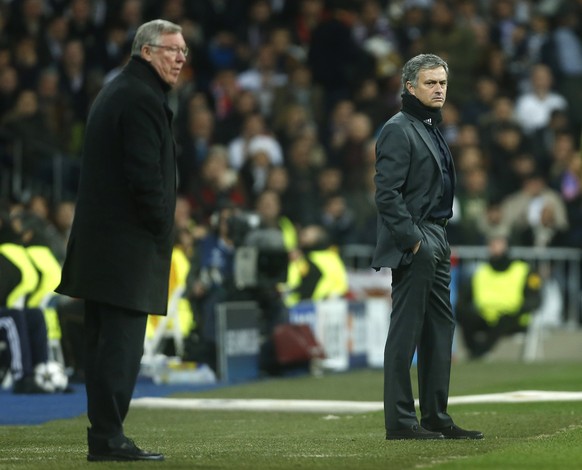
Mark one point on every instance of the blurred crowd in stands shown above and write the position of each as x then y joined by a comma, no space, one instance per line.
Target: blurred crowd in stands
279,104
289,95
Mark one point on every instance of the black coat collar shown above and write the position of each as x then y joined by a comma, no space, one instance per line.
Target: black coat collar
144,70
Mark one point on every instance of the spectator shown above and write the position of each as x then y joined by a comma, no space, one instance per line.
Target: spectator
457,44
504,26
498,299
533,109
263,79
54,106
310,15
262,155
338,220
38,143
335,133
222,51
26,334
450,124
316,271
27,62
63,221
522,209
470,15
82,27
303,174
214,281
481,104
53,44
337,62
114,50
534,43
351,155
27,19
254,31
224,89
494,63
9,87
194,148
370,100
288,56
561,170
300,90
545,230
508,154
563,54
363,206
574,205
492,224
291,123
473,197
254,125
501,115
412,28
216,186
230,126
278,181
74,82
39,207
372,22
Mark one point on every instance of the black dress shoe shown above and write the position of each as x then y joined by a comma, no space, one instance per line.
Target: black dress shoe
455,432
414,432
126,450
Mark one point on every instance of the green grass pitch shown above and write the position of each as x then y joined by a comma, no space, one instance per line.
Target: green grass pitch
545,435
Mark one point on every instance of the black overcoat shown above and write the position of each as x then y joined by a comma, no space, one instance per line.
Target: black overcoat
409,185
120,246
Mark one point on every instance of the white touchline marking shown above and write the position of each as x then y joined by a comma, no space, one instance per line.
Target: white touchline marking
337,406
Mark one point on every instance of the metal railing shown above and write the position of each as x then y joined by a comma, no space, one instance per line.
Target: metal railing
563,265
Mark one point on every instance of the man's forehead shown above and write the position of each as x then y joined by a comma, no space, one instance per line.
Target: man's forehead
172,38
437,73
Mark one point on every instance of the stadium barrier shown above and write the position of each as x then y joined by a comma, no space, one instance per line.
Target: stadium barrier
353,330
560,269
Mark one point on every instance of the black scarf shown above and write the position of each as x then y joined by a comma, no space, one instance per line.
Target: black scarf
431,117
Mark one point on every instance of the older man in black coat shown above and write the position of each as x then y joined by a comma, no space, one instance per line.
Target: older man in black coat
119,252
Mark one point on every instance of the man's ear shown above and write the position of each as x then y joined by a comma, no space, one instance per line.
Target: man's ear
146,52
410,88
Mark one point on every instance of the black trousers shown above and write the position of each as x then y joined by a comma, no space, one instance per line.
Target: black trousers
421,320
114,342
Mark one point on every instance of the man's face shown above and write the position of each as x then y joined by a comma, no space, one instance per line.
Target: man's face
431,89
166,56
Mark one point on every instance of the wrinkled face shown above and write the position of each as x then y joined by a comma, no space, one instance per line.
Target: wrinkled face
167,56
431,89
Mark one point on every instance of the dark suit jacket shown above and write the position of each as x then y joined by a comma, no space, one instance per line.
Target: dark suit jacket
120,247
409,184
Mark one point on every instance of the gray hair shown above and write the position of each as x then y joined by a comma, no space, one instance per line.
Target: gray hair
412,68
150,32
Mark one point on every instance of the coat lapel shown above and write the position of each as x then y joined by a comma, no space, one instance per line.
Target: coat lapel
426,138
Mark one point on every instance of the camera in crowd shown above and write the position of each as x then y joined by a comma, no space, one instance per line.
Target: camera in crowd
261,259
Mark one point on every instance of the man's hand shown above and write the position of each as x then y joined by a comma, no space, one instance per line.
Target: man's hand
416,247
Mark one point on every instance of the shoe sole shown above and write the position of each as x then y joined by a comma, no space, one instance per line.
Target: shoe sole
119,458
